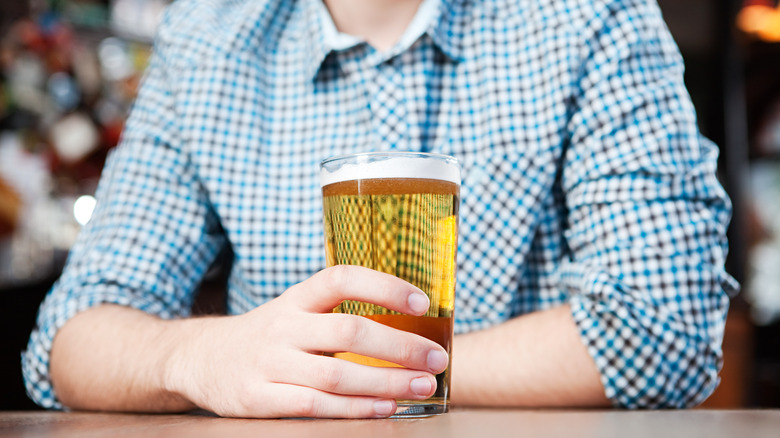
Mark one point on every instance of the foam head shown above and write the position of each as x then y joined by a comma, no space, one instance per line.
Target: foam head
377,165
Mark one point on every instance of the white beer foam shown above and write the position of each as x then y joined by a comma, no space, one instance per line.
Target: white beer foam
393,167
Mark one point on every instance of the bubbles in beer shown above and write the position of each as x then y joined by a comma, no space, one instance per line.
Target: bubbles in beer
405,227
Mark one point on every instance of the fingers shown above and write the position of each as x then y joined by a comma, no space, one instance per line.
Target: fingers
300,401
337,332
301,384
329,287
347,378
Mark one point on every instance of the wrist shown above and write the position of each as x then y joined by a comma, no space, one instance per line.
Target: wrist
185,352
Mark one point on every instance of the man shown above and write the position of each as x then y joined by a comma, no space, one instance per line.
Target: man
591,251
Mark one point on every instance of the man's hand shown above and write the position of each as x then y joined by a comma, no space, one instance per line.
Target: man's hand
265,363
268,362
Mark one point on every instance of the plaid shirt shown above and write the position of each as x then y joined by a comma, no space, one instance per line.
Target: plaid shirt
585,179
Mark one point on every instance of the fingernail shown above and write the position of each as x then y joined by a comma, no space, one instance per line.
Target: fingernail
418,302
384,408
437,361
421,386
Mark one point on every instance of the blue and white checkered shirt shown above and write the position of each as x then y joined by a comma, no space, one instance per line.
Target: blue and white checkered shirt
586,181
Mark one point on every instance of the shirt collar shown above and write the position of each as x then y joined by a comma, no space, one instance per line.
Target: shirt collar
434,18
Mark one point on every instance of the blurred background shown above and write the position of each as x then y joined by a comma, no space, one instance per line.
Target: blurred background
69,70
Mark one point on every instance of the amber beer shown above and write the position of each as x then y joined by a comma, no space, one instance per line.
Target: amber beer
398,213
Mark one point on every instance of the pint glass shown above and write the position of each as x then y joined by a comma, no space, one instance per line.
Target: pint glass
397,212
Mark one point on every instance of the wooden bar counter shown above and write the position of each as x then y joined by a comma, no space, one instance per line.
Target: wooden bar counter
482,423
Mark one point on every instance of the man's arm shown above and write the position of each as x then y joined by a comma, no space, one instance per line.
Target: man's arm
535,360
265,363
645,226
112,358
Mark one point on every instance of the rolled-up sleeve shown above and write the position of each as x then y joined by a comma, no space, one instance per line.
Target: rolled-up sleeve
647,217
152,235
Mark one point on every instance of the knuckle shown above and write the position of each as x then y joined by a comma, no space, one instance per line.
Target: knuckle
245,403
337,276
305,406
408,352
349,330
331,378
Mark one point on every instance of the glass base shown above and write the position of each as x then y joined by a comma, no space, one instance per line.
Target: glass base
415,409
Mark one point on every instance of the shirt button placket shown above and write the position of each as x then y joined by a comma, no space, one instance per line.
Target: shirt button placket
388,107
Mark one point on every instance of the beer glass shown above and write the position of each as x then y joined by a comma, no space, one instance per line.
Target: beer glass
397,212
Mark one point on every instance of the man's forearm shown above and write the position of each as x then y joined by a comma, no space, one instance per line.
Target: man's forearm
533,360
114,358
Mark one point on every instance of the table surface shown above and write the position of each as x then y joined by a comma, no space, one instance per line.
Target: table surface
458,423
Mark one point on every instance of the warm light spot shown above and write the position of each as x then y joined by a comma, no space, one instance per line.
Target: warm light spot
761,21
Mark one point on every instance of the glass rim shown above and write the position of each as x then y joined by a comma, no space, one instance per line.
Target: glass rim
390,154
